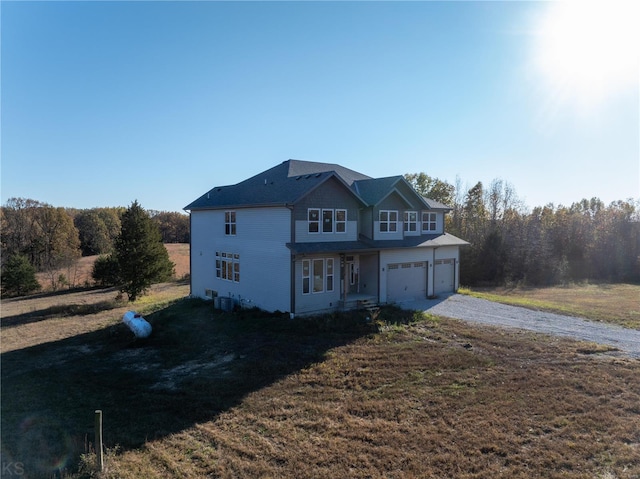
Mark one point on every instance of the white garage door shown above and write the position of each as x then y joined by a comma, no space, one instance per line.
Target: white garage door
443,276
406,281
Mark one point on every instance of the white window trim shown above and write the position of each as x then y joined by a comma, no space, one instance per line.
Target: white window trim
228,264
408,222
328,210
307,276
388,221
329,261
320,222
328,264
229,223
429,221
316,222
342,222
314,274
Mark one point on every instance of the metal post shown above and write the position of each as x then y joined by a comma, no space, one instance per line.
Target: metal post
99,448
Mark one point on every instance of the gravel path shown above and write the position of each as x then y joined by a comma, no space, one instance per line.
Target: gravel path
482,311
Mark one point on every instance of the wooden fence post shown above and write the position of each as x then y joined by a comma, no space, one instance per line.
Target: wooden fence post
99,448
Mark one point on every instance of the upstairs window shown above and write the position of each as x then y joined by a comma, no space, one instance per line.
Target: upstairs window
313,216
341,221
410,221
230,223
428,222
327,221
388,221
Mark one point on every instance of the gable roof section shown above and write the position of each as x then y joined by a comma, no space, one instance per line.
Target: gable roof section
283,184
303,168
374,190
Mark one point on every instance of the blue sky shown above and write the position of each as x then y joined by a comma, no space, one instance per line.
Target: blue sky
107,102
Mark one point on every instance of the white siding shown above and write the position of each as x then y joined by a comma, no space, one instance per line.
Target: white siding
261,236
439,222
395,235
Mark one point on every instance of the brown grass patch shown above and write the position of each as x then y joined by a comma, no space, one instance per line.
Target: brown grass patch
79,274
515,405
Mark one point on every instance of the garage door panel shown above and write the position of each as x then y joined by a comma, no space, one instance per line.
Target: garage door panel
406,281
444,275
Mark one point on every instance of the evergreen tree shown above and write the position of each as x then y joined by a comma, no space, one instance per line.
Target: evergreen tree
19,276
142,258
106,270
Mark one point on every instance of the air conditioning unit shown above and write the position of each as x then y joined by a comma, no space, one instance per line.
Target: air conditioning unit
226,303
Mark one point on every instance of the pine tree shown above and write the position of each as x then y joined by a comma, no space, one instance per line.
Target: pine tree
19,276
141,256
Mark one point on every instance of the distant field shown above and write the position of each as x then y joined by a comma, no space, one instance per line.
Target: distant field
252,395
79,274
611,303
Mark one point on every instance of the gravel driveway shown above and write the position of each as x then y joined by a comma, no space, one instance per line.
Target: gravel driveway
487,312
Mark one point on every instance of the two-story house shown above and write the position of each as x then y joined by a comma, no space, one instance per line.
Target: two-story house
306,237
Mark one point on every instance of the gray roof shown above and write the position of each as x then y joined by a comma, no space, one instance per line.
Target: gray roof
366,244
291,180
300,168
373,190
435,205
283,184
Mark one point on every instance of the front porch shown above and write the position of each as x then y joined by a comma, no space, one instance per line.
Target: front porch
359,301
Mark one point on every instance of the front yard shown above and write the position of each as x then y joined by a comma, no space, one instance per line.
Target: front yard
253,395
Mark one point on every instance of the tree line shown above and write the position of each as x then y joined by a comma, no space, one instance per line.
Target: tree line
36,235
509,244
547,245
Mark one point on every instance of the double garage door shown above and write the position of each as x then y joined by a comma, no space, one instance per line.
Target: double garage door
408,281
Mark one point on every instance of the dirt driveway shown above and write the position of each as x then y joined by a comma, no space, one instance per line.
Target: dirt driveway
486,312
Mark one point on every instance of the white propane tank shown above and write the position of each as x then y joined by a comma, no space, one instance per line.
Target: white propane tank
136,323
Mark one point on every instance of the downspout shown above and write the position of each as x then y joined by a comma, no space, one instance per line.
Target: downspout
292,264
190,254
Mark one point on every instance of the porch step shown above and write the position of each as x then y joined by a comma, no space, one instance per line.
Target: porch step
368,305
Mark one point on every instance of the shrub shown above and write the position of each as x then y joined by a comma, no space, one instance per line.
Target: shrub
18,276
106,271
